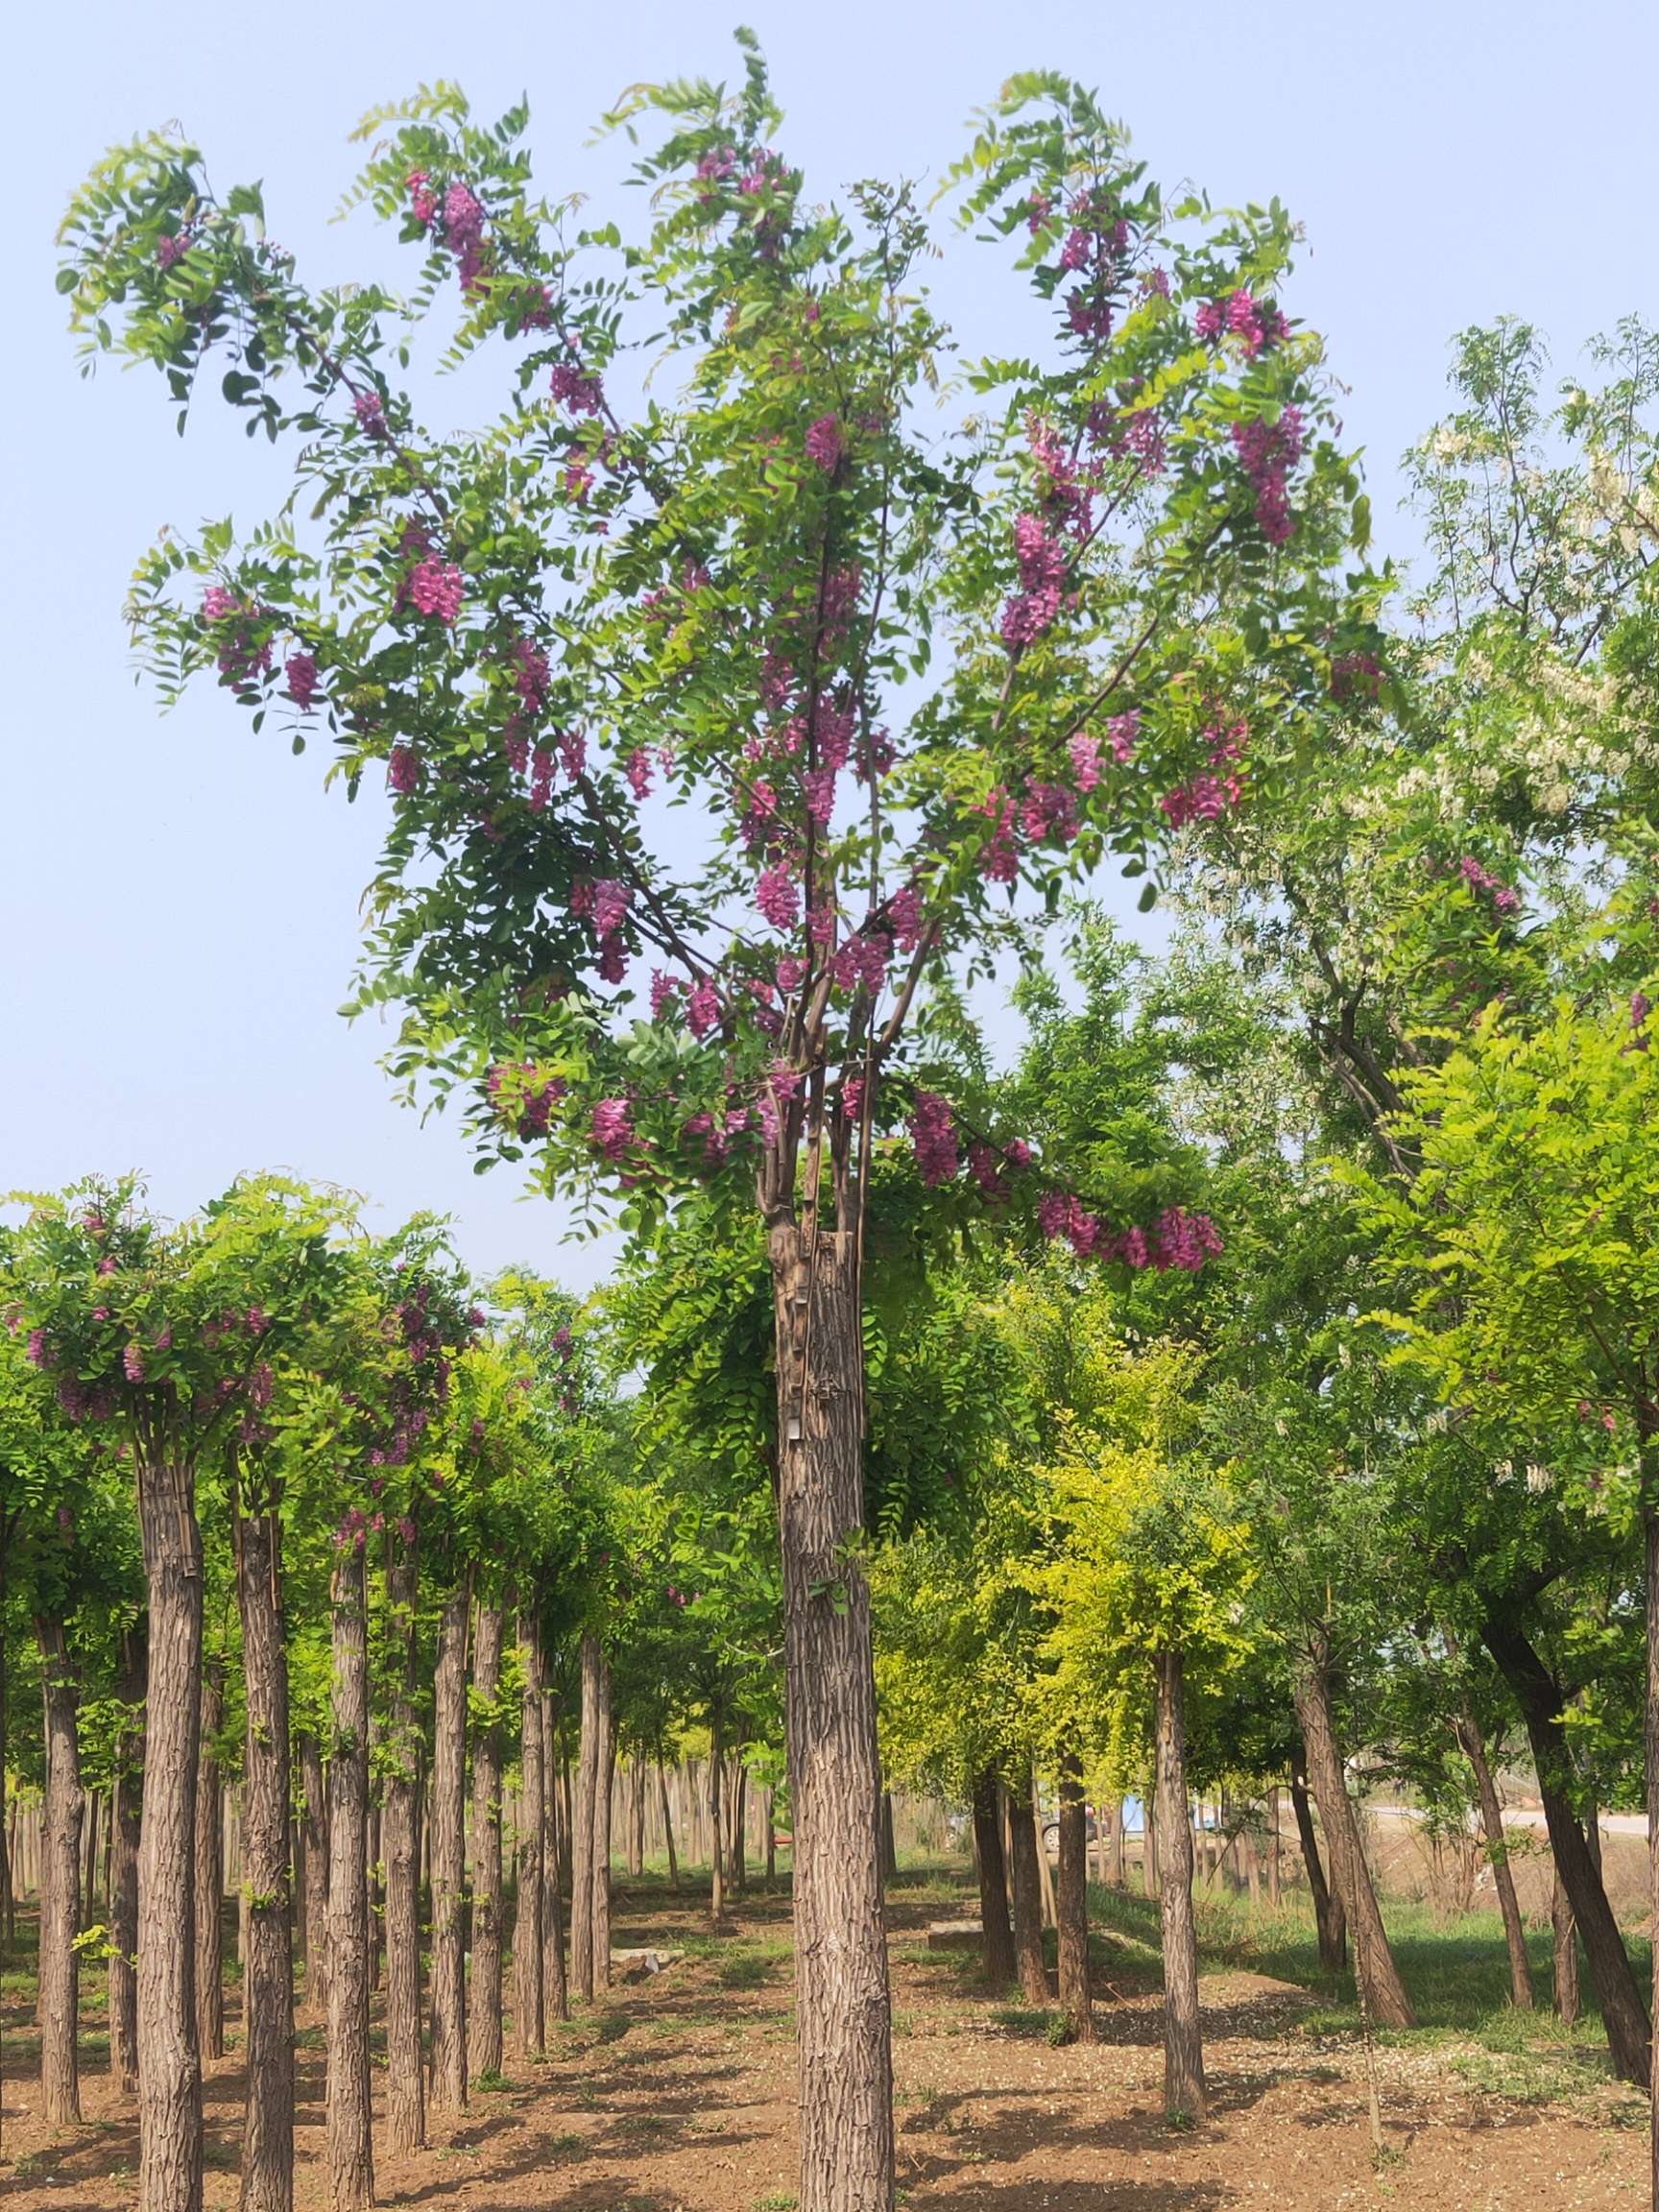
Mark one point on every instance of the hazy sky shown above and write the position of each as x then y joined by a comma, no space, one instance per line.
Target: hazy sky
177,898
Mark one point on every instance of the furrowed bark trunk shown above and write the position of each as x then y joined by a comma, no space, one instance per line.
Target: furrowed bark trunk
716,1821
1650,1748
1616,1993
635,1816
555,1987
1026,1884
268,1987
1071,1902
845,2046
8,1897
529,2031
401,1842
1382,1990
1151,1879
484,2052
600,1902
1564,1932
1275,1876
582,1837
170,2058
1116,1871
209,1869
350,2144
668,1833
1473,1749
448,1819
123,1869
740,1833
996,1937
1184,2088
62,1815
889,1846
314,1851
1328,1917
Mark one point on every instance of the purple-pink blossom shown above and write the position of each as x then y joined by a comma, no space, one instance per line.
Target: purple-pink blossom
437,587
613,1127
778,897
823,444
301,671
933,1134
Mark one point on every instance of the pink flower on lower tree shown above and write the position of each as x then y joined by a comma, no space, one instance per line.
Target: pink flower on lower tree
933,1134
613,1127
437,587
777,898
301,671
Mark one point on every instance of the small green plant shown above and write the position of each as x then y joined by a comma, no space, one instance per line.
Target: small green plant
777,2200
492,2079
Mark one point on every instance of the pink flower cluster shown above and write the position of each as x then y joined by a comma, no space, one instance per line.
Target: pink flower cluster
403,770
1502,896
1033,608
524,1097
371,413
933,1134
1267,452
824,447
301,671
1255,323
1206,797
613,1127
777,898
458,223
605,903
171,251
574,387
862,960
437,587
1180,1240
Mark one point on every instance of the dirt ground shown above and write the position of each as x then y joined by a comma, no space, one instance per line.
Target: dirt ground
675,2094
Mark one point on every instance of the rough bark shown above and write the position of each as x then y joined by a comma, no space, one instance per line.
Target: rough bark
1650,1748
1474,1748
717,1820
1328,1917
845,2030
555,1989
268,2001
1275,1874
351,2144
1115,1872
1150,1872
529,2031
1564,1933
61,1816
314,1860
1026,1883
889,1844
7,1896
1382,1990
996,1935
1071,1902
448,1821
170,2069
668,1833
209,1868
1616,1993
599,1903
740,1830
124,1868
1184,2088
636,1836
484,2002
401,1842
582,1837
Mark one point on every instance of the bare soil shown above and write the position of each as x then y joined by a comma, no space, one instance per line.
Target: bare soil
675,2094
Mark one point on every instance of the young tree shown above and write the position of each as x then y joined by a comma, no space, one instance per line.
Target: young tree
733,599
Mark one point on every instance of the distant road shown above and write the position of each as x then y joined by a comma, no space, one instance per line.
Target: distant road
1526,1816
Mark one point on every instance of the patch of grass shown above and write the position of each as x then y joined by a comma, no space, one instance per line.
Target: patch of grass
748,1967
777,2200
567,2145
492,2081
1025,2019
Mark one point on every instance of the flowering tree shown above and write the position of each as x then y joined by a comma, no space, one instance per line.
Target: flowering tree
895,665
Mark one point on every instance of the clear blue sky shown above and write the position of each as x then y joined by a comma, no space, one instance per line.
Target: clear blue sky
177,899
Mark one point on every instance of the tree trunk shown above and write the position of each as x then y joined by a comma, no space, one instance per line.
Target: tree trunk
1275,1867
89,1879
1151,1879
170,2068
635,1838
996,1937
555,1989
740,1832
1045,1873
209,1868
124,1868
1184,2089
350,2144
1115,1872
1382,1990
1071,1902
484,2052
1616,1993
668,1833
1027,1887
400,1841
8,1886
314,1860
449,1820
529,2031
1328,1917
582,1837
599,1903
1564,1930
1650,1749
61,1813
716,1823
1468,1734
889,1847
268,1986
845,2028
